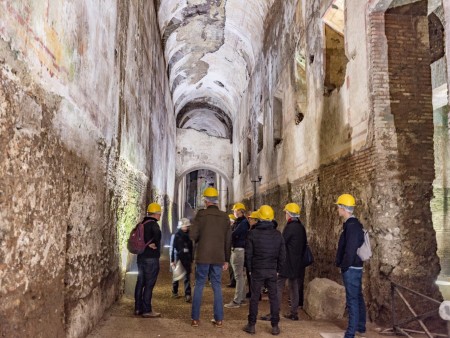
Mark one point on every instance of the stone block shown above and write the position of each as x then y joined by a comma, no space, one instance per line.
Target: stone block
324,299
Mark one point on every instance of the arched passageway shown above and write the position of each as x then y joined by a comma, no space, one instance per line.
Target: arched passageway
191,185
107,106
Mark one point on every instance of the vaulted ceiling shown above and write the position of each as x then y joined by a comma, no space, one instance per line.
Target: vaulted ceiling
211,47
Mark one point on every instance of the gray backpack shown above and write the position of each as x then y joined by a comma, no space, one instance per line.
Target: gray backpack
365,251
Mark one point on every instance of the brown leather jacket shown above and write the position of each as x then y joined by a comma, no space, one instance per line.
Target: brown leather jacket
211,234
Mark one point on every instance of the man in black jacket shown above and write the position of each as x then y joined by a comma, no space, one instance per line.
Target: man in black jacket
238,238
148,264
264,256
294,236
352,237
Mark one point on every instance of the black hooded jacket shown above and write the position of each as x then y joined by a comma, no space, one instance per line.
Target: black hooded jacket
264,248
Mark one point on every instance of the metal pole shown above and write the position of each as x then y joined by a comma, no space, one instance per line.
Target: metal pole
394,326
254,190
254,195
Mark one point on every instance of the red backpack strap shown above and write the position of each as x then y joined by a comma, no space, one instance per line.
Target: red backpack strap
143,223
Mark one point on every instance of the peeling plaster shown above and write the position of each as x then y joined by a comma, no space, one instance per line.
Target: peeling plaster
203,39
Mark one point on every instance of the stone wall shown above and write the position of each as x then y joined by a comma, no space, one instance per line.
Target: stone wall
440,204
371,137
84,133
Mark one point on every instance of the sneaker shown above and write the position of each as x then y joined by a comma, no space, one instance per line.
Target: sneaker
151,315
275,330
194,323
244,302
137,313
360,334
188,298
175,295
266,317
249,328
217,323
232,305
291,316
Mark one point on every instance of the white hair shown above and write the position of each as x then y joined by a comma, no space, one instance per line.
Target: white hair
213,200
293,215
347,208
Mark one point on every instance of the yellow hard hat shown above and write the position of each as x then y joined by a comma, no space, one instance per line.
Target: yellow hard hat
254,215
347,200
266,213
293,208
154,208
238,206
232,217
210,192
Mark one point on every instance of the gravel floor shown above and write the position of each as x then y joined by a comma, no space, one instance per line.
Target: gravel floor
120,321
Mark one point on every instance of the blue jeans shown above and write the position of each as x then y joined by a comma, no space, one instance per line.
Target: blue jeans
201,275
148,269
355,302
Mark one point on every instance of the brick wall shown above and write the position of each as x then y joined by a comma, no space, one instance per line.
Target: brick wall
403,137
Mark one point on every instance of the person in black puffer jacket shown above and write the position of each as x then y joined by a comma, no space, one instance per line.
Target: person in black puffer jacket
264,255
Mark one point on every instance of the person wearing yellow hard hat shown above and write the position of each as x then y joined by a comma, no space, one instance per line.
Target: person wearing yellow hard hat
351,238
232,283
148,263
293,271
253,219
264,255
238,237
211,234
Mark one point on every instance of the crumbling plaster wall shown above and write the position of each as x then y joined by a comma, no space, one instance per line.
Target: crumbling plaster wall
196,150
84,130
446,6
332,127
346,142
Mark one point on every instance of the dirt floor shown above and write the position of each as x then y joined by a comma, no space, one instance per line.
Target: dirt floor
175,319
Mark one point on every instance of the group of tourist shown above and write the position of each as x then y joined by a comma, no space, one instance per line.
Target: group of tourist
248,241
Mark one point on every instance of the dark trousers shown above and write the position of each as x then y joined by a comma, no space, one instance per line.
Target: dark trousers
249,281
187,285
148,269
301,282
269,277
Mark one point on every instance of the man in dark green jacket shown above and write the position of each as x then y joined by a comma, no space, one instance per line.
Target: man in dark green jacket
211,234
